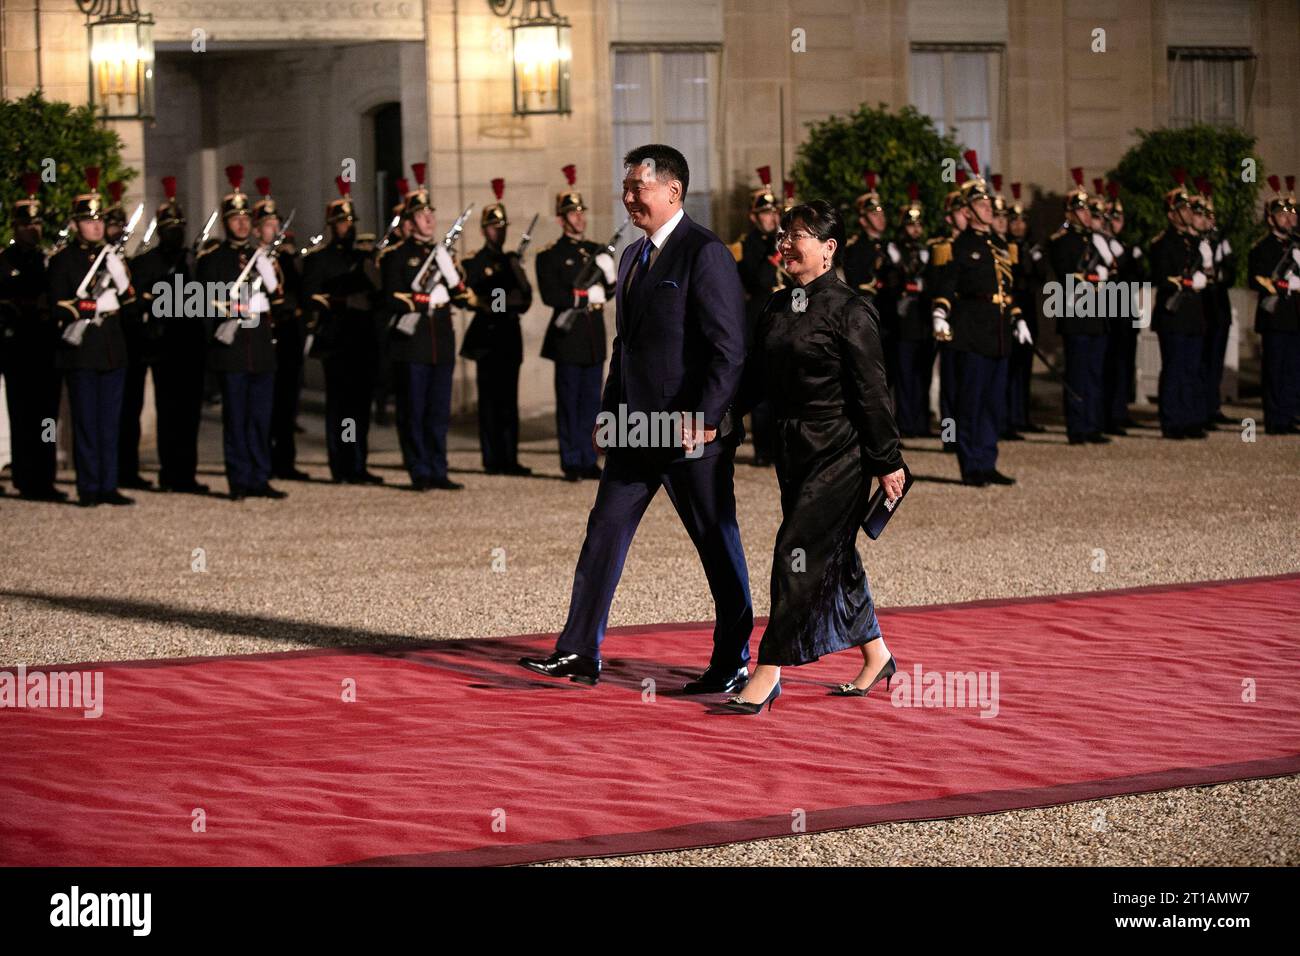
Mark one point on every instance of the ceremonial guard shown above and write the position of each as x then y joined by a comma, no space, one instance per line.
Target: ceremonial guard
576,277
1027,278
1001,235
339,298
1220,270
1274,268
494,340
1120,373
399,229
955,218
242,347
141,351
909,259
161,274
421,281
28,342
1079,259
866,269
974,312
760,275
1178,272
89,286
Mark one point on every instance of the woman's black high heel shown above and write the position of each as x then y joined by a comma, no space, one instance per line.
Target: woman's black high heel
887,673
740,705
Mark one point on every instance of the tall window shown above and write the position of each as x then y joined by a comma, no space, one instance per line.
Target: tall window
666,96
959,86
1209,85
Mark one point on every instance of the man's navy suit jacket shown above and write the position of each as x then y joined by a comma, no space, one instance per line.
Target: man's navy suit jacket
681,337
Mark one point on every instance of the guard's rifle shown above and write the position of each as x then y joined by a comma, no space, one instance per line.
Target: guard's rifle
587,278
203,236
527,237
429,272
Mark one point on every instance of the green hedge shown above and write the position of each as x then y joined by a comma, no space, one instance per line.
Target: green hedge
1212,152
32,129
901,147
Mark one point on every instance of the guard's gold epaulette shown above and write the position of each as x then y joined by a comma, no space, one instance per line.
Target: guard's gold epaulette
1058,234
940,250
737,249
208,247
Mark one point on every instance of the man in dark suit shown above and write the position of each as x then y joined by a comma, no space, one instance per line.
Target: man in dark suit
680,348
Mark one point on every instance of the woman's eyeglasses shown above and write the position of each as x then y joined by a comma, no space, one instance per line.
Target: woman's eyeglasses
793,237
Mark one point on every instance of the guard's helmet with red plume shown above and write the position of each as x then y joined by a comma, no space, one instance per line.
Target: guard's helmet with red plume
341,209
89,205
27,211
869,200
568,200
265,207
169,210
494,214
763,197
418,197
235,202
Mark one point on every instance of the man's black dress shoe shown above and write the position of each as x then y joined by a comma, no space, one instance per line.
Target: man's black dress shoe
579,669
572,475
446,484
996,477
136,482
370,478
115,498
266,491
717,682
1116,430
976,480
517,470
1097,438
292,474
88,501
1078,439
44,494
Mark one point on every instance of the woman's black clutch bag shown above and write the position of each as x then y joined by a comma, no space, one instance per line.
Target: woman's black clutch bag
879,511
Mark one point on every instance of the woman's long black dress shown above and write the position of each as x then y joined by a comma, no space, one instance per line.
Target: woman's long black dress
823,370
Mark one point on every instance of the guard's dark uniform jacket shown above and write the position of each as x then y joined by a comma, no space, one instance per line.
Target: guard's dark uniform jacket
337,297
756,259
1271,261
1072,254
434,340
253,348
865,264
175,333
909,263
103,346
974,290
1175,258
25,332
558,268
496,334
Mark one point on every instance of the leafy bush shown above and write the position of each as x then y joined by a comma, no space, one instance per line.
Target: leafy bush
901,147
33,129
1212,152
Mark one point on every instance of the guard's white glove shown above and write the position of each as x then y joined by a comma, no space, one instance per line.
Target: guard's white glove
1293,284
258,304
1137,252
1116,247
439,296
225,333
442,258
1022,333
1036,254
1295,254
920,283
267,272
116,269
1099,243
407,323
607,267
596,295
894,255
107,302
1198,280
942,330
1207,255
1225,249
925,255
1102,273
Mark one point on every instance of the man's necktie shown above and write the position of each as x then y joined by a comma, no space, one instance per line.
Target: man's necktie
642,264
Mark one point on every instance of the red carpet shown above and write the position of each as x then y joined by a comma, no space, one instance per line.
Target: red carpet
1098,694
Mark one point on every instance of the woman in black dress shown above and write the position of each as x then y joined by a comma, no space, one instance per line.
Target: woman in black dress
816,357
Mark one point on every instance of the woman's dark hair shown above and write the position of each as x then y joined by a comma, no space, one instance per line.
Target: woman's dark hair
820,218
